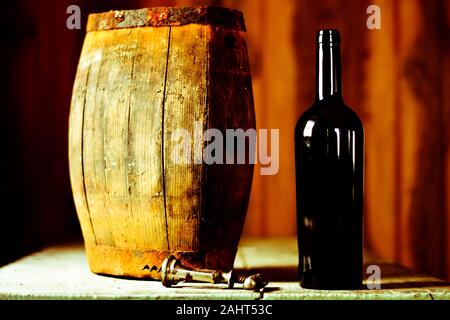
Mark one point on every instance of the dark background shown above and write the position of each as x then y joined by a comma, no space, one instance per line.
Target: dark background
396,79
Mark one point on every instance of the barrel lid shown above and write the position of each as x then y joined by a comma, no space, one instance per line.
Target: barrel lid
167,16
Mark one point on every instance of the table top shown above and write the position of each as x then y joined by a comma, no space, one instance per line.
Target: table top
62,273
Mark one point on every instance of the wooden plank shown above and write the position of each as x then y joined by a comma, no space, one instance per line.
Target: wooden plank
121,133
446,116
116,117
185,103
76,149
408,111
274,76
381,145
230,106
64,274
277,259
292,291
423,135
145,176
121,152
280,94
93,135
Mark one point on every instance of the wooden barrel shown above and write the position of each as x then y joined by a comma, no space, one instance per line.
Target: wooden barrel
142,75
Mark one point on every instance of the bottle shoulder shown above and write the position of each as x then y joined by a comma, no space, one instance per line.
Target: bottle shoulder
330,116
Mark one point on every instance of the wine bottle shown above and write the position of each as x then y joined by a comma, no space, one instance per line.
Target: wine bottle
329,158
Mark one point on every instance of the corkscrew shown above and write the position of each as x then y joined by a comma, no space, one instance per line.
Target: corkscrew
173,272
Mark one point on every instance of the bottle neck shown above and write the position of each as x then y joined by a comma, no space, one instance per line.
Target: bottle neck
328,71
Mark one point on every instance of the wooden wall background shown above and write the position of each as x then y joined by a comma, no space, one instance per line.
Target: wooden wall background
396,79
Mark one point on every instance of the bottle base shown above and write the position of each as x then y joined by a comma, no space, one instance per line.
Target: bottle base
330,284
330,287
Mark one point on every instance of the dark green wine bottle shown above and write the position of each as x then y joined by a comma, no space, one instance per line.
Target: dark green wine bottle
329,158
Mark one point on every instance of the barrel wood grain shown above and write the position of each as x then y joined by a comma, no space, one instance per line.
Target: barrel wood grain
93,130
145,135
184,104
227,187
76,123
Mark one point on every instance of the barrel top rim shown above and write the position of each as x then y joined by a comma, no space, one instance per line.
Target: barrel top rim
167,16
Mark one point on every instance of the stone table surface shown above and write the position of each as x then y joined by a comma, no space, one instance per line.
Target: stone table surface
62,273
